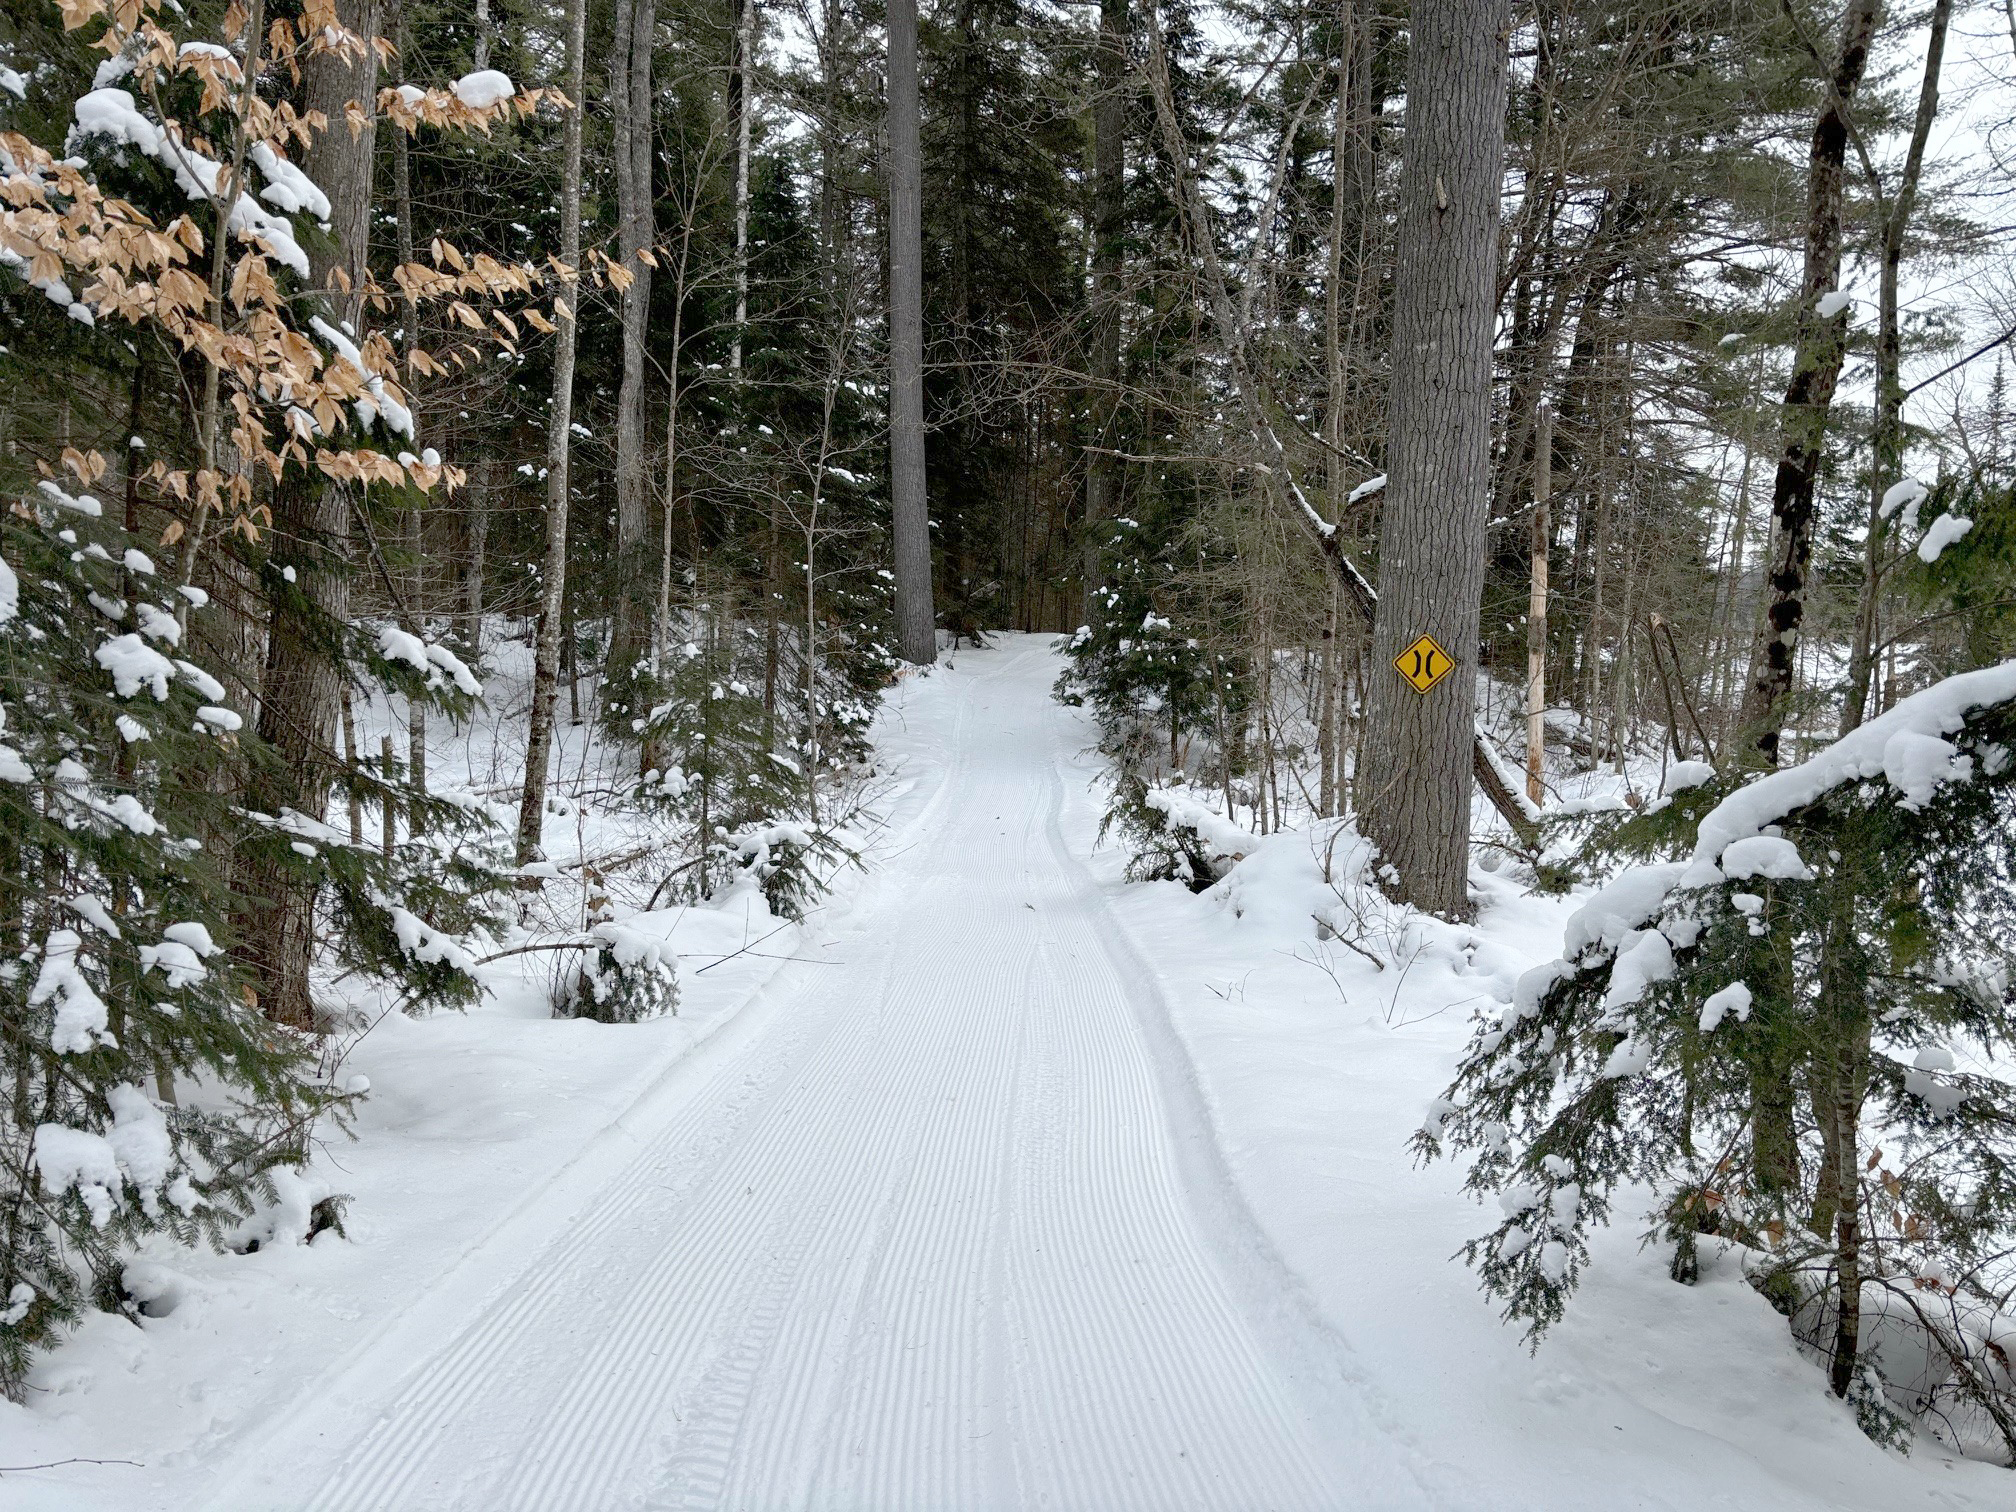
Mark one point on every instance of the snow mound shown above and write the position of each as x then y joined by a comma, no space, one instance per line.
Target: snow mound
1894,745
1186,812
1940,534
484,88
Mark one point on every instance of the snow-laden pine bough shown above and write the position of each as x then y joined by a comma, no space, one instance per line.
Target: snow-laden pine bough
167,877
149,1094
1796,1033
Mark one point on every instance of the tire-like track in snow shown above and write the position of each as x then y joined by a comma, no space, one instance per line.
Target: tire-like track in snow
938,1235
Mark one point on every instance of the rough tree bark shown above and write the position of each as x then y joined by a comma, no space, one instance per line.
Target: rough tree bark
301,701
1414,795
630,96
1109,168
1274,464
553,571
916,628
1816,369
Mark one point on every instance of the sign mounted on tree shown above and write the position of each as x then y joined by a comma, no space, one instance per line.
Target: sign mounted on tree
1424,664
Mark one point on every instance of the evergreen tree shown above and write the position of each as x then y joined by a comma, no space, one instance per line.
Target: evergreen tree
1772,1033
118,993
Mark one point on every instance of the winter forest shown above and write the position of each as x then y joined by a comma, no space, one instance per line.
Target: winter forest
1102,754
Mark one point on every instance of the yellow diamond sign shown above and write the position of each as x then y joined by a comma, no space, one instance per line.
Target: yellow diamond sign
1424,664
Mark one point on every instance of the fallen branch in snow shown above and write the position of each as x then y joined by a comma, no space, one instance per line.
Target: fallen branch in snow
518,950
652,901
764,955
747,948
1325,930
53,1464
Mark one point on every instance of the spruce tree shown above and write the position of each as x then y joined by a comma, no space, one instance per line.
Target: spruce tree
118,992
1775,1021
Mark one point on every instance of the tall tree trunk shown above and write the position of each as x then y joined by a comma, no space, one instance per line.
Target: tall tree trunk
1729,589
1109,202
1536,603
1887,432
476,550
662,635
560,416
832,209
743,107
402,210
1816,369
1277,471
301,700
1414,797
630,94
1341,183
915,619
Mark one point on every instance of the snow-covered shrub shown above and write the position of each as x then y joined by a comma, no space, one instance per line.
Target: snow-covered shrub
1172,834
788,862
626,977
1147,680
115,912
743,798
1163,703
1791,1031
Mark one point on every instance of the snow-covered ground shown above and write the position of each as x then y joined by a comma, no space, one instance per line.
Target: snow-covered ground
1015,1186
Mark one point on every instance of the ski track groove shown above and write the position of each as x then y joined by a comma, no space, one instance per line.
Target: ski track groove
926,1241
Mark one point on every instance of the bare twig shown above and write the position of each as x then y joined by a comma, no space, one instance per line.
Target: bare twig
53,1464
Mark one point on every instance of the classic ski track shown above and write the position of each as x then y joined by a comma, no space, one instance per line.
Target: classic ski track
941,1234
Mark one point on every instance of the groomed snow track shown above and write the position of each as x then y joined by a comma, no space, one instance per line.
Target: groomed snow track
940,1227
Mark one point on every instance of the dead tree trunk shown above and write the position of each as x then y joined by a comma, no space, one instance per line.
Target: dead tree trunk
1414,796
553,570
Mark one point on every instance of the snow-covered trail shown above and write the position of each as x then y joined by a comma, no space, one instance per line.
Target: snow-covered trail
943,1228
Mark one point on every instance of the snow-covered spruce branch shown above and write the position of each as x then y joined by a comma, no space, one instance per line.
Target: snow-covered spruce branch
1831,937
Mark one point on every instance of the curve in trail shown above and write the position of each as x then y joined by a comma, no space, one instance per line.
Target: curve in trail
937,1236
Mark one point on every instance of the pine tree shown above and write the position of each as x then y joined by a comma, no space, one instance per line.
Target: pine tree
118,987
1833,940
744,799
1414,790
1161,699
